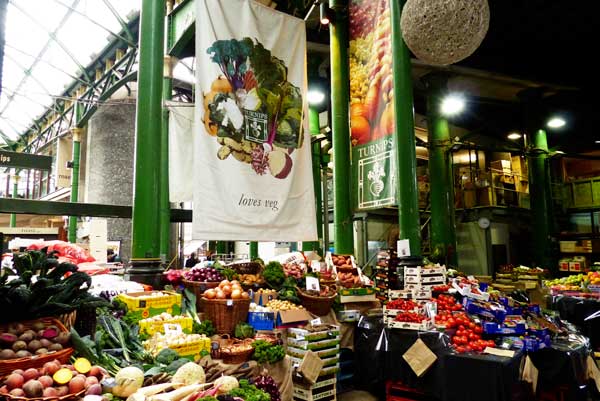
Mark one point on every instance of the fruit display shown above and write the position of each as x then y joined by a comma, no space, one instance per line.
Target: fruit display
279,305
574,282
342,262
441,288
203,274
447,303
250,279
54,380
40,339
410,317
226,290
403,304
295,270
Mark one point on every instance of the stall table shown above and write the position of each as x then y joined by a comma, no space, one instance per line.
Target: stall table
461,377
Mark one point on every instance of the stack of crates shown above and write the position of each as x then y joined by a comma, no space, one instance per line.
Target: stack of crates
324,340
424,278
385,273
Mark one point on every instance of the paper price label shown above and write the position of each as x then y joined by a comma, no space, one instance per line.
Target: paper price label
312,283
315,265
403,247
172,328
315,322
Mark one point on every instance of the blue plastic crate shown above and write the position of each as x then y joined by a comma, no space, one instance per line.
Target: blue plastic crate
261,320
494,328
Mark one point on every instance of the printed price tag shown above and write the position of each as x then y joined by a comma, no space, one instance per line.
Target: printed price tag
315,265
315,322
172,328
312,283
403,246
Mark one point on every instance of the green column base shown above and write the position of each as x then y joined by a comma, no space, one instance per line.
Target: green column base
146,271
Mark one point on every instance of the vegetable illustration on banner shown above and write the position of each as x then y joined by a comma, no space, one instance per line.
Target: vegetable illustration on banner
254,112
254,171
372,110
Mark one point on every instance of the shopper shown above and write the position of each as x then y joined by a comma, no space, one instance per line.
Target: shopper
192,260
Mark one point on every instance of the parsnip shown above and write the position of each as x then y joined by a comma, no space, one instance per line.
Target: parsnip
177,395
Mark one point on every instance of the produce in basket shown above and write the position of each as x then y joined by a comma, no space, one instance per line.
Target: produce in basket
325,291
40,339
54,380
278,305
203,274
227,290
274,274
295,270
159,341
341,261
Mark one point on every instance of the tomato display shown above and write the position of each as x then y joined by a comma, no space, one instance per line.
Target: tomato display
410,317
447,303
404,304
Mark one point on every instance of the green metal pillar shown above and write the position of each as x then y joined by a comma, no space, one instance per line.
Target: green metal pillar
75,161
253,250
145,249
15,193
541,200
443,224
340,100
313,126
406,157
222,247
165,206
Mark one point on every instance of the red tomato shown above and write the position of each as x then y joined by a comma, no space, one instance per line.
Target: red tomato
461,327
460,349
451,322
478,329
472,325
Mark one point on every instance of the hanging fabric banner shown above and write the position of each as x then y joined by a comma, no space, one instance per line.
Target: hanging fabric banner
252,174
181,154
371,104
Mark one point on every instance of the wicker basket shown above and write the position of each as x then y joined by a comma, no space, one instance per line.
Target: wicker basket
246,267
225,313
232,356
198,288
36,361
320,306
74,396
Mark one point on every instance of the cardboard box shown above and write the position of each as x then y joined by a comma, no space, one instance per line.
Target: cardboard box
567,246
142,305
563,265
392,324
575,266
193,350
313,346
519,166
263,298
346,299
308,395
325,353
329,331
424,271
501,166
403,294
292,317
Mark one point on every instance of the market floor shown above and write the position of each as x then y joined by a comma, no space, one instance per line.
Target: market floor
356,395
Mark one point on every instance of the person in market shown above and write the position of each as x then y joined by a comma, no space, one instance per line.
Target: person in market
192,260
110,255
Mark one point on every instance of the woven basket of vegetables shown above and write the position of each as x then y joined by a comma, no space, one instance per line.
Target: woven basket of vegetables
31,344
225,313
246,267
238,352
318,302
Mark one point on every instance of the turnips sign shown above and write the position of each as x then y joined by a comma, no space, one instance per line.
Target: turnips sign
251,135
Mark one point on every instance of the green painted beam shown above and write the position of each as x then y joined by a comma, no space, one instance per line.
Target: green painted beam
340,100
165,223
253,252
146,195
75,156
15,192
541,201
406,158
182,28
313,126
443,225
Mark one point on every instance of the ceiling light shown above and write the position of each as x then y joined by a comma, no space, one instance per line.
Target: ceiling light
514,136
597,141
452,105
315,97
325,14
559,152
556,122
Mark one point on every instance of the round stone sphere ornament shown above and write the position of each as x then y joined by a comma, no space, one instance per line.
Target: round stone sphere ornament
443,32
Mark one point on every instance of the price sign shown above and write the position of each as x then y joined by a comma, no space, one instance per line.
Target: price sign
172,328
315,322
312,283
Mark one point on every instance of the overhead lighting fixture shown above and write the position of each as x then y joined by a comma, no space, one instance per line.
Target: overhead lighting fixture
597,142
514,136
559,152
452,105
315,97
325,13
556,122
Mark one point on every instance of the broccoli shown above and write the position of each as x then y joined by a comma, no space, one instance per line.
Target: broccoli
167,356
176,364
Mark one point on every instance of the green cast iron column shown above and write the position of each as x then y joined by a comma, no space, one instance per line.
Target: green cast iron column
145,249
313,126
253,250
222,247
15,193
406,157
443,225
541,201
75,161
340,99
165,207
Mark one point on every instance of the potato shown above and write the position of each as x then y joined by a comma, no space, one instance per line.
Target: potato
76,384
14,380
94,389
50,392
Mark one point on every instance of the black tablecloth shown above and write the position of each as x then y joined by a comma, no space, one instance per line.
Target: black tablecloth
575,310
464,377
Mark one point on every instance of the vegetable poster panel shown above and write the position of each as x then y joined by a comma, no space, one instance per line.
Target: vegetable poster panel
372,108
252,165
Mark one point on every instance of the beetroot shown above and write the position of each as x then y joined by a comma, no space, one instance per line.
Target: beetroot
50,332
8,338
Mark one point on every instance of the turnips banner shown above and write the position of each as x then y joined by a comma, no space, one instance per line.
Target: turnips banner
252,163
